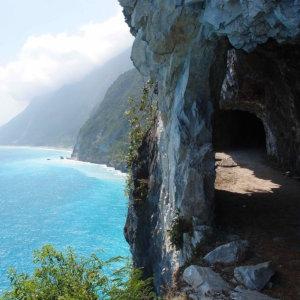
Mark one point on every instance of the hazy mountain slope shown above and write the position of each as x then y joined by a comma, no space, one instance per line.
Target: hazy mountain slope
55,119
103,136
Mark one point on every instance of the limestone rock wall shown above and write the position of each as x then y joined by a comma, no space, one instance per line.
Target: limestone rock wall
266,83
187,47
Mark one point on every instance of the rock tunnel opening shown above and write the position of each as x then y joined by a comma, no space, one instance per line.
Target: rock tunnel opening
238,130
251,197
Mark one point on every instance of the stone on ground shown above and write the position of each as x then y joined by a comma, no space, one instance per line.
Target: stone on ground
243,294
254,277
227,254
204,281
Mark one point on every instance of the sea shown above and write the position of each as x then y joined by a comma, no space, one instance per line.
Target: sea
46,198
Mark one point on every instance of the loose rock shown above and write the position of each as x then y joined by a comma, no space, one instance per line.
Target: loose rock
254,277
204,281
243,294
227,254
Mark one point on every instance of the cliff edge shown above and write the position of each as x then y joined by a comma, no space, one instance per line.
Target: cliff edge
209,59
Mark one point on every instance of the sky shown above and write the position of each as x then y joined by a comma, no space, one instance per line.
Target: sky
45,44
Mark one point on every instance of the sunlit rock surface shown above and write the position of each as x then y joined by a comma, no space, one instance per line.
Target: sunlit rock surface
199,53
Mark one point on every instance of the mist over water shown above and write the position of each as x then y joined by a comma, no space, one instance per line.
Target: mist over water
44,199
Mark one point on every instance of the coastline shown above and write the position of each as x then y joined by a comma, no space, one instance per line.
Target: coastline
72,161
50,148
51,200
109,168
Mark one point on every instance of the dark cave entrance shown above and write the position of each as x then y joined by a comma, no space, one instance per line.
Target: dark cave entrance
238,130
253,200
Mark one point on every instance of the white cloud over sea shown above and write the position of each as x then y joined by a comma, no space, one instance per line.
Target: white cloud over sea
48,61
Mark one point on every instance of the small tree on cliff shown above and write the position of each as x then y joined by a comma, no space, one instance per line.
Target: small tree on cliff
141,115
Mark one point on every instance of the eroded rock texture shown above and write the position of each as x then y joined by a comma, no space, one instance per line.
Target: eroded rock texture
266,83
206,56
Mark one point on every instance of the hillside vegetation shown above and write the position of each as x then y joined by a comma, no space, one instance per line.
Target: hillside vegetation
55,118
104,137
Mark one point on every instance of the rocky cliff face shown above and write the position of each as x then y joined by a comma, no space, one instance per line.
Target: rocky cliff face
103,137
207,57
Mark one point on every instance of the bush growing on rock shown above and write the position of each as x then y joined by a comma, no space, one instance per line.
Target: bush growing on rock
141,116
179,226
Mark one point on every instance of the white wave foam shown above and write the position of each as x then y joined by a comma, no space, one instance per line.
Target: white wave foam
64,150
91,169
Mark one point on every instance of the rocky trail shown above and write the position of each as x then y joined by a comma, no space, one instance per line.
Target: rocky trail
261,205
255,251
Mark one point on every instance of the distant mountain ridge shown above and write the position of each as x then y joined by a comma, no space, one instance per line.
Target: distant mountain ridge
56,118
104,136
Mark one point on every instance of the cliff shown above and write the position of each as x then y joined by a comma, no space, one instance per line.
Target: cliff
104,137
209,58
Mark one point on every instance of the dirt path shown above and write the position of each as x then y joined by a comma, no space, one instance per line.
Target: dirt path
262,205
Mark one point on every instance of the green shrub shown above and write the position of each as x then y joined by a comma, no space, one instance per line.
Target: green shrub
141,116
179,226
65,276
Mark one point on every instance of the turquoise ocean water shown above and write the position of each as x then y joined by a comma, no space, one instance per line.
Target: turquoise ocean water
44,199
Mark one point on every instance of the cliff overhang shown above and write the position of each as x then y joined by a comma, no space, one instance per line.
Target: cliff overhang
207,57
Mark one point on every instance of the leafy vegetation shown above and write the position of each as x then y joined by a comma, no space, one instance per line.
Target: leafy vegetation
179,226
104,137
65,276
141,116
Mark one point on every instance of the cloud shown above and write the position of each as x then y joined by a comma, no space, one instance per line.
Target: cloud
10,108
49,61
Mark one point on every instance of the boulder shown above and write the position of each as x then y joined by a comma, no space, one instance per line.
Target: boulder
243,294
204,281
200,236
254,277
227,254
